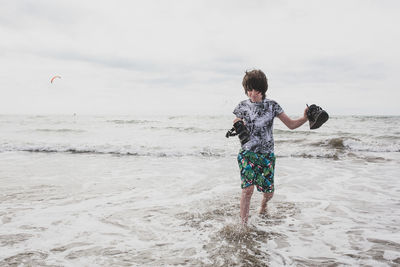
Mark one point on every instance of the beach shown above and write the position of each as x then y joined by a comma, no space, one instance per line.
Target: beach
164,191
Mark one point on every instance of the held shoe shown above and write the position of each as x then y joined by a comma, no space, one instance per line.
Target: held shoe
316,116
241,130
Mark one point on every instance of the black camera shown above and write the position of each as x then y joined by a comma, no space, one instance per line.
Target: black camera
239,129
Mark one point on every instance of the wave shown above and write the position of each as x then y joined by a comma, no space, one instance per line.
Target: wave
130,121
115,151
375,117
183,129
294,141
196,153
190,129
335,143
310,155
358,145
65,130
389,137
297,132
336,156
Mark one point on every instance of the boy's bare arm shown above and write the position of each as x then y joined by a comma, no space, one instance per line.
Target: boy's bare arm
293,124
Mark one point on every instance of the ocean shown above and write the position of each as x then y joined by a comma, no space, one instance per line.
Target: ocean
164,191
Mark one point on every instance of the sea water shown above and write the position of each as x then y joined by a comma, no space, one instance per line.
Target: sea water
164,191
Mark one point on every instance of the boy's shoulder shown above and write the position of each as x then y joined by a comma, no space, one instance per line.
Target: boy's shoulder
274,106
244,103
248,103
270,101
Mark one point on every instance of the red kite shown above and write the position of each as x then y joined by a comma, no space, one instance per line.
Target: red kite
52,79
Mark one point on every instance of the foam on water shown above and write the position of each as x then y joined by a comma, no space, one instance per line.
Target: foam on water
125,191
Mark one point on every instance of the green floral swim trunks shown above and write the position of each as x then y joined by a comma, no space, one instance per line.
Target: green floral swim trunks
257,169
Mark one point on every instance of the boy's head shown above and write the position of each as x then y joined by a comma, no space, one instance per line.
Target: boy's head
255,80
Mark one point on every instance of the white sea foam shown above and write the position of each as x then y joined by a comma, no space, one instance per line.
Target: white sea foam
127,191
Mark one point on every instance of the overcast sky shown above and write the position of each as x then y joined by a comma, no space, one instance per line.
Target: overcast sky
189,57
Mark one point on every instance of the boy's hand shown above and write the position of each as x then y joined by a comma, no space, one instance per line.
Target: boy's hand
305,113
236,120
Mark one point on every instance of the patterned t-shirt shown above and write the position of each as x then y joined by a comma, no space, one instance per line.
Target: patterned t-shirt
259,118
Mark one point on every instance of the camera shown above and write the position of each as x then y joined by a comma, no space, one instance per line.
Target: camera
239,129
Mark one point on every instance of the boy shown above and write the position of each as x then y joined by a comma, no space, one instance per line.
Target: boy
256,158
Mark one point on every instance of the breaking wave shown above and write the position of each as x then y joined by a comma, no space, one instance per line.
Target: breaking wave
357,145
116,151
334,143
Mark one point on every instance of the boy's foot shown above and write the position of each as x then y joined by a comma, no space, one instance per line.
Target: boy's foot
263,210
264,216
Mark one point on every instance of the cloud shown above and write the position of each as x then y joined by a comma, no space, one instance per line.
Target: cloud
197,49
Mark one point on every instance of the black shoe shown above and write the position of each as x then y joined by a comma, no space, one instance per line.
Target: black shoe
316,116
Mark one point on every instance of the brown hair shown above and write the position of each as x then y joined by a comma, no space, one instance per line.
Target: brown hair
255,80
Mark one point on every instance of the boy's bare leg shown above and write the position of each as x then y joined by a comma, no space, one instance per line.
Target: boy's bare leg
245,203
266,197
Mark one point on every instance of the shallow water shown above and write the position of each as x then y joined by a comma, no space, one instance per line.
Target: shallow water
125,191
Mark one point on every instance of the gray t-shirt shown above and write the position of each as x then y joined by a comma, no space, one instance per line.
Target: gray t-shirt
259,118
